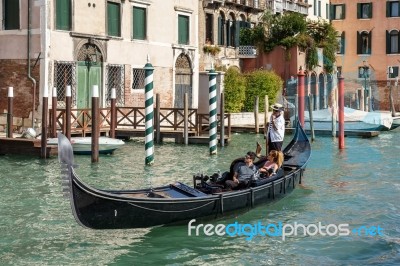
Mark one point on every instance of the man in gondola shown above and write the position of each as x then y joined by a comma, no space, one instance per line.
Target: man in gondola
243,173
276,129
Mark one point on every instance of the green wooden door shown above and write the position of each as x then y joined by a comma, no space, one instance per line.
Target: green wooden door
87,77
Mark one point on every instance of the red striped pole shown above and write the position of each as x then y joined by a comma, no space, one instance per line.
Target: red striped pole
301,95
341,112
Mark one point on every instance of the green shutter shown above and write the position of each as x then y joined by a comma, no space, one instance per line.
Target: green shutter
359,43
220,42
332,11
139,23
183,29
237,33
113,19
315,7
343,40
388,44
228,33
11,14
344,11
370,10
358,10
327,11
369,43
387,9
395,72
63,15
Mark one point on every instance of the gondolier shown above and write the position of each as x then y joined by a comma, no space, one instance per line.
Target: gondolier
276,129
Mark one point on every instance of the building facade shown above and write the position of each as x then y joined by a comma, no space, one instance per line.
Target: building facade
369,54
104,43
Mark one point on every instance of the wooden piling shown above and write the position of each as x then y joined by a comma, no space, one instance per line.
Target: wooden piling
68,112
222,120
95,124
10,111
54,113
185,119
341,112
310,111
157,119
256,100
266,116
113,113
45,110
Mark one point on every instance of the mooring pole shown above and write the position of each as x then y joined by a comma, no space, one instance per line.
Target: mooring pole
212,107
113,113
95,124
68,112
256,121
341,112
301,94
54,112
149,112
310,114
45,110
10,112
186,119
222,120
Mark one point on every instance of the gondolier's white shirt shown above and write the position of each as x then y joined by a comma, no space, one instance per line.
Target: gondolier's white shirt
277,135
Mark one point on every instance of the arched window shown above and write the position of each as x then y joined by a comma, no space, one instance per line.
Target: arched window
392,42
364,42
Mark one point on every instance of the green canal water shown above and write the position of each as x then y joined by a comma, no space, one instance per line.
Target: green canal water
359,186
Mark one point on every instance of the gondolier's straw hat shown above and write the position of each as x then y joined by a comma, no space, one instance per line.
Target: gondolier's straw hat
277,107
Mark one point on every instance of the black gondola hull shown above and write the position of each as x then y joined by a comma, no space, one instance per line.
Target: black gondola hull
100,209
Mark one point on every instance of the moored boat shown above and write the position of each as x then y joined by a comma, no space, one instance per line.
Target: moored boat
353,120
177,202
83,145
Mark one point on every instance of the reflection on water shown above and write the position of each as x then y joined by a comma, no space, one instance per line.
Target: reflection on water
358,186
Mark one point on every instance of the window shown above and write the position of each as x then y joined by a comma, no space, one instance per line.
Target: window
364,10
183,29
341,42
364,72
393,42
221,29
364,42
139,23
113,19
392,8
394,70
11,15
338,11
116,80
63,15
209,29
315,7
138,79
319,8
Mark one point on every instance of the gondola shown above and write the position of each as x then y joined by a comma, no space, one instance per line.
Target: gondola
177,202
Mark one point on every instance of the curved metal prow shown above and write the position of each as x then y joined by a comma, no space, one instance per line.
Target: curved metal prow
65,152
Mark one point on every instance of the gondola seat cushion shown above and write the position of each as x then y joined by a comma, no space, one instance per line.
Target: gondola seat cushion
261,181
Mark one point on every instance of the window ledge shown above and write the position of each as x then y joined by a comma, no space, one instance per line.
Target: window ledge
145,41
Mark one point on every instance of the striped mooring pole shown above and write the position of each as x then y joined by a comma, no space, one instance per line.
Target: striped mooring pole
212,107
149,112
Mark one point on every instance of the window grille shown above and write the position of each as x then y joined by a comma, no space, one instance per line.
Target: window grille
138,78
115,79
64,74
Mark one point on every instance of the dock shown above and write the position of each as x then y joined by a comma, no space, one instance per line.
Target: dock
347,133
30,147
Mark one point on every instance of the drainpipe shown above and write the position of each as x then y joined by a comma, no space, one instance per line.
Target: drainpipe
29,59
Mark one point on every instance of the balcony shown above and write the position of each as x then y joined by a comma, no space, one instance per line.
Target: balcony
247,4
247,51
279,6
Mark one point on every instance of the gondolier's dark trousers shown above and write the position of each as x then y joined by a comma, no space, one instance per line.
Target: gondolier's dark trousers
277,146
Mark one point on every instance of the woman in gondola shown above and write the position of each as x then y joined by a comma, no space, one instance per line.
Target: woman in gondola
274,162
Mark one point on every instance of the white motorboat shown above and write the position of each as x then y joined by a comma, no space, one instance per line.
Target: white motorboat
83,145
353,120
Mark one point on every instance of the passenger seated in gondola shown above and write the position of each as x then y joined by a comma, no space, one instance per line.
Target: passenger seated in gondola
243,173
274,162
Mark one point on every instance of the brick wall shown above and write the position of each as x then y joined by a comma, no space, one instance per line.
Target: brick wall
14,73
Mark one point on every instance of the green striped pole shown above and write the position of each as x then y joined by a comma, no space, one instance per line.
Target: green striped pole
212,107
149,112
